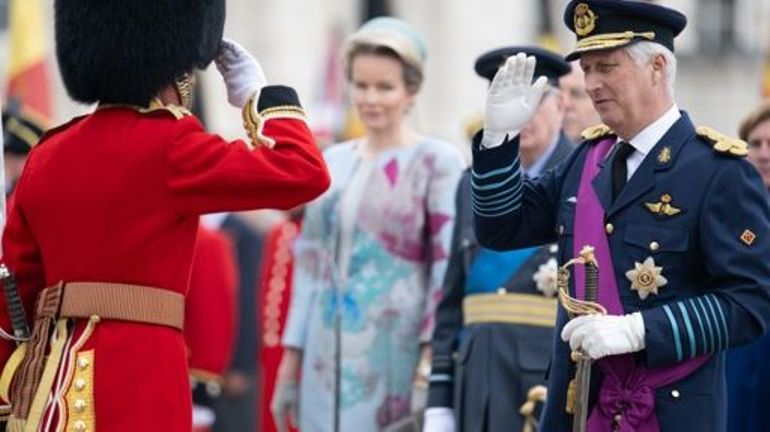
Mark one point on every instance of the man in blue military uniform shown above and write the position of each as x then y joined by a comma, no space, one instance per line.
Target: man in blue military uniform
20,134
678,219
499,308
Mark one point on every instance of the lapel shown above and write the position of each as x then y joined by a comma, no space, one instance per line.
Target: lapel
660,158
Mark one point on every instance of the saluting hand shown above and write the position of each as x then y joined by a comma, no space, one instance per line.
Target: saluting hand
512,99
242,73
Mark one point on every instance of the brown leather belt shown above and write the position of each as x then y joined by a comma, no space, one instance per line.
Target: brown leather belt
111,301
123,302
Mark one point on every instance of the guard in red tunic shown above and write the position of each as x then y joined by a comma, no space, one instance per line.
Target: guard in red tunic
210,318
102,231
274,300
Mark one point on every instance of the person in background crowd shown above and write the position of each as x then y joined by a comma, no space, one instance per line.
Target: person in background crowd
235,407
20,135
748,376
373,252
755,130
501,357
210,318
274,297
579,111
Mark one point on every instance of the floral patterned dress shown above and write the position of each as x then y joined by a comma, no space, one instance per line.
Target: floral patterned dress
373,252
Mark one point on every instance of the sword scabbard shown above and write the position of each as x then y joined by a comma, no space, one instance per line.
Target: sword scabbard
579,387
14,304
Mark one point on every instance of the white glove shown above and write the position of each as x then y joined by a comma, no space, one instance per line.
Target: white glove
512,99
285,404
605,335
439,419
242,73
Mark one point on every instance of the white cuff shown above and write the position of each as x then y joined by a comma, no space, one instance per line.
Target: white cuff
636,328
491,139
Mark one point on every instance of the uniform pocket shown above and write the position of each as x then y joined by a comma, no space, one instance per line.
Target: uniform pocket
664,245
534,354
657,239
533,358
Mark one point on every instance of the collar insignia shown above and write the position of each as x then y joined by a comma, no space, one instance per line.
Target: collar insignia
664,156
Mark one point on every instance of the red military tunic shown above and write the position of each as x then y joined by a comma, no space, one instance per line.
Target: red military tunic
209,322
274,300
209,319
115,196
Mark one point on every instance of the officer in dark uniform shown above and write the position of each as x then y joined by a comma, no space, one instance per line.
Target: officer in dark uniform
678,219
20,134
499,307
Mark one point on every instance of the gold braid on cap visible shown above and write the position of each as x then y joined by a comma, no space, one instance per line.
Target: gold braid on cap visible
610,40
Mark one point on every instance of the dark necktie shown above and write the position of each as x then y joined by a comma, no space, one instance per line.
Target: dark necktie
619,171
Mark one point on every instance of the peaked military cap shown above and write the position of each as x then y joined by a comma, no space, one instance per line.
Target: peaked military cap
125,51
20,133
549,64
606,24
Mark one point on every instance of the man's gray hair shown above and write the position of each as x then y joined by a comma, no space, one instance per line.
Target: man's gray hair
643,52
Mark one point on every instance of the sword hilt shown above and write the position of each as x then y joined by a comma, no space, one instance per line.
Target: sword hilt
15,306
579,387
592,282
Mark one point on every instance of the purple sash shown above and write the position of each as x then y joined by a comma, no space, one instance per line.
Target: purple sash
628,387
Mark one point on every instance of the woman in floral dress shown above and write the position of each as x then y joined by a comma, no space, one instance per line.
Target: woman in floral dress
372,252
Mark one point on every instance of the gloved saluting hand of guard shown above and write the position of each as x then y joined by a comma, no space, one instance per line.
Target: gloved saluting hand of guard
512,99
243,75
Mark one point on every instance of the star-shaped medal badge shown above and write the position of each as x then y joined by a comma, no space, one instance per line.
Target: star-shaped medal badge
646,278
546,278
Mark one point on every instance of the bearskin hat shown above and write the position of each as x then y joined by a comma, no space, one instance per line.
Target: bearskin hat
125,51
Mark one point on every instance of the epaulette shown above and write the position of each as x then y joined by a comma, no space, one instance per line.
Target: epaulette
594,132
722,143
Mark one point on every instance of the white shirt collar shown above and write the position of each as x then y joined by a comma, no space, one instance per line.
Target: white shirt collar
645,140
